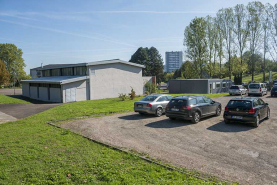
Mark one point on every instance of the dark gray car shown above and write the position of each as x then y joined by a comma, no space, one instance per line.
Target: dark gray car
152,104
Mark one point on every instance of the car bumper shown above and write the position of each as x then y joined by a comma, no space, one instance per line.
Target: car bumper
245,118
144,110
182,116
273,93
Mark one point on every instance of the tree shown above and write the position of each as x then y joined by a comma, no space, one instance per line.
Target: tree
187,70
226,23
272,15
196,44
4,74
12,57
241,31
219,42
255,10
152,61
211,34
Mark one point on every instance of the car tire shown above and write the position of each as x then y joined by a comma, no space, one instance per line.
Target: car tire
195,117
268,114
172,118
218,111
159,112
257,121
226,121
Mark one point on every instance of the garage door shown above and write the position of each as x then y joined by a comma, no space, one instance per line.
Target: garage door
70,94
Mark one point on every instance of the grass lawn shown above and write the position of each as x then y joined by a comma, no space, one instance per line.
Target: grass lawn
9,100
33,152
257,77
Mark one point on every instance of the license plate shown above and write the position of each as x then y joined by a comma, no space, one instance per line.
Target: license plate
174,109
237,117
139,105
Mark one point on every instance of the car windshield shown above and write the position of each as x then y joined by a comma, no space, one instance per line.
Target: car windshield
239,103
177,102
274,88
149,98
234,87
254,86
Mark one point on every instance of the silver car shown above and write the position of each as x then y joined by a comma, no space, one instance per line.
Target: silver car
237,89
152,104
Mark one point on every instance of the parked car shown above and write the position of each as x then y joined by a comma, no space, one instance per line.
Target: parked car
244,84
192,108
246,109
257,89
152,104
273,91
274,82
237,89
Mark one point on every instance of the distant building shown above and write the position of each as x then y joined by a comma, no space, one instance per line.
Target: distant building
173,60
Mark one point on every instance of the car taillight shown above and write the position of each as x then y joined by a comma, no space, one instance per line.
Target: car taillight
252,111
186,107
260,89
149,105
226,109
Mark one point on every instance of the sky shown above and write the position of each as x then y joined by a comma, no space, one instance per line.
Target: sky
67,31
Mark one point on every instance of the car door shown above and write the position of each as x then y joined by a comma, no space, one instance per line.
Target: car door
211,106
163,101
263,109
202,105
257,106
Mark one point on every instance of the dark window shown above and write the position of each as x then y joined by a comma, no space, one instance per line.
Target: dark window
56,72
274,88
34,84
161,99
254,86
54,85
193,101
207,100
67,71
239,103
46,73
218,85
149,98
177,102
261,102
80,71
43,85
234,87
256,103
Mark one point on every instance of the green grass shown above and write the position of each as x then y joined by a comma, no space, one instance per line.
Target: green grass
33,152
9,100
257,77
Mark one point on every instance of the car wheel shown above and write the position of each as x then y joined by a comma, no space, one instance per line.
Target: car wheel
226,121
195,117
257,122
218,111
159,112
268,114
172,118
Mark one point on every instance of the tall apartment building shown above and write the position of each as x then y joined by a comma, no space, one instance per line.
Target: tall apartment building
173,60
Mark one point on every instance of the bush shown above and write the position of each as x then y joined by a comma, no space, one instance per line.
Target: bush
150,87
147,92
122,96
132,94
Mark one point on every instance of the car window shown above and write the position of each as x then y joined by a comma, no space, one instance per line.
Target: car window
207,100
200,100
192,101
256,103
239,103
161,99
261,102
177,102
254,86
169,97
149,98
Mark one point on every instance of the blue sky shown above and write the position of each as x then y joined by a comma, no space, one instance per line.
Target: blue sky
66,31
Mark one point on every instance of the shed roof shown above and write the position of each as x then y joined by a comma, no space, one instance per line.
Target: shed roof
56,79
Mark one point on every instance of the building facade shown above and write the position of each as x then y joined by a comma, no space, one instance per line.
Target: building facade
85,81
173,60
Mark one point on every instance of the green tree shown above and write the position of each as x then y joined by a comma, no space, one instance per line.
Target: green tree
196,44
187,70
12,57
141,57
4,74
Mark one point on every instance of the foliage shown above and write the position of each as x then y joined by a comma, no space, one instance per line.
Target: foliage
4,74
122,97
151,59
150,87
146,93
132,94
12,57
168,76
9,100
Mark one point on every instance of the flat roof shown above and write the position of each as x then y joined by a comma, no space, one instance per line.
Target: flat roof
113,61
56,79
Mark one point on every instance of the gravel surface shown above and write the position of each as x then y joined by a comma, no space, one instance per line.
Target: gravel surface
235,152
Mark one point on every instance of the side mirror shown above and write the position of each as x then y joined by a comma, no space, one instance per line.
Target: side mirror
266,103
212,102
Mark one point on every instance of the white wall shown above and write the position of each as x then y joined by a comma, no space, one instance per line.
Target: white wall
107,81
145,80
81,91
25,89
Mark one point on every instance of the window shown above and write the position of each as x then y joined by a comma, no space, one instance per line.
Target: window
43,85
193,101
56,72
46,73
149,98
256,103
169,97
254,86
217,84
207,100
34,84
80,71
261,102
161,99
234,87
239,103
200,100
224,84
67,71
54,85
177,102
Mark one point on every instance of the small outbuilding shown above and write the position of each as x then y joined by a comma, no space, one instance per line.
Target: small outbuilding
199,86
84,81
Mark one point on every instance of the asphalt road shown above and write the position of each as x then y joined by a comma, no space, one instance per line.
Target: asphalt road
235,152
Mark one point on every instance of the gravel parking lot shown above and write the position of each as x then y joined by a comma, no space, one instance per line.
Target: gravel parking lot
235,152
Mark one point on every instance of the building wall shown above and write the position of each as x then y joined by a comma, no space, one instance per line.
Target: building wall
43,93
25,89
33,92
55,95
81,90
173,60
109,80
188,86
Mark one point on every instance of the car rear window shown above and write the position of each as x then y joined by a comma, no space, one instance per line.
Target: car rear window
234,87
254,86
274,88
149,98
239,103
177,102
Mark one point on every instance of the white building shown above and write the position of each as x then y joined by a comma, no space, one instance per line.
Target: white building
84,81
173,60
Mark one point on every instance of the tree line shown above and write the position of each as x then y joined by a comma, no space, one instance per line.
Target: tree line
241,39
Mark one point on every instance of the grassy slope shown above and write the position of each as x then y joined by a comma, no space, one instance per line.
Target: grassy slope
32,151
257,77
9,100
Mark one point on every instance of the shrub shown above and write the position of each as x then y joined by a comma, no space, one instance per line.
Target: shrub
150,87
122,96
147,92
132,94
